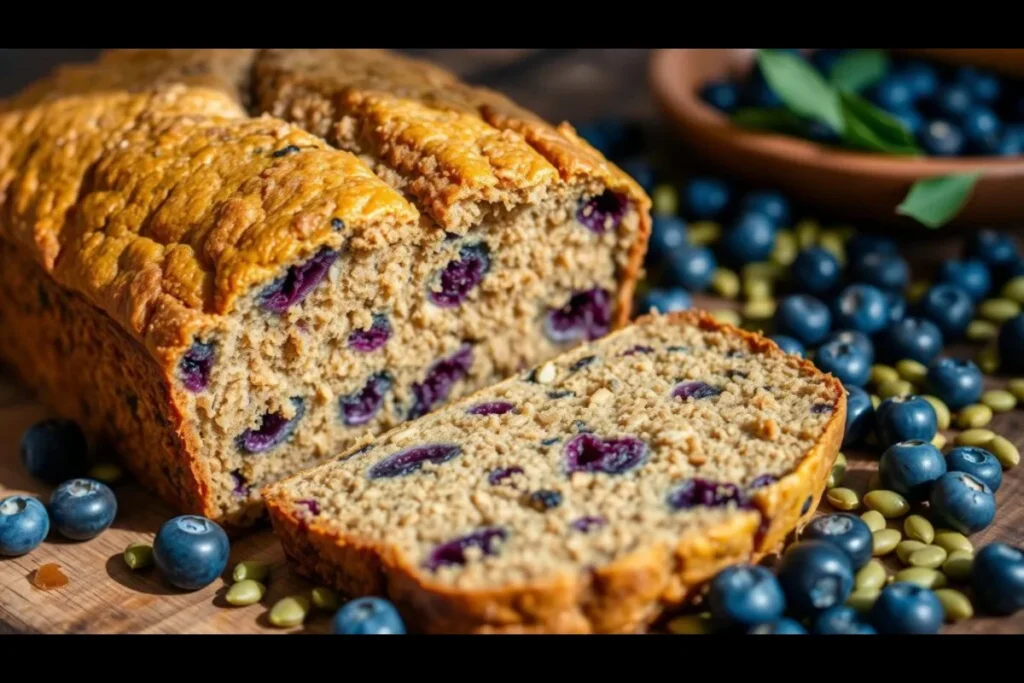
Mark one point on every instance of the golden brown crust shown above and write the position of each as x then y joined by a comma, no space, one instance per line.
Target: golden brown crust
622,597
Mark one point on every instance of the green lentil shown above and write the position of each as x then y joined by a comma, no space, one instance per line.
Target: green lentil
874,520
911,370
664,200
958,565
988,360
289,612
1004,450
785,250
917,289
107,472
889,503
884,541
1014,289
870,576
974,437
755,288
726,315
1016,387
863,598
691,625
919,529
931,556
762,270
725,283
251,569
999,310
955,604
939,440
922,576
835,478
907,548
245,592
952,541
880,374
703,233
942,415
325,599
999,400
981,330
759,309
138,555
834,245
894,388
806,232
875,402
843,499
973,416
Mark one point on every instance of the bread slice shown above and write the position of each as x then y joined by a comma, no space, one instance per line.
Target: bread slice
587,495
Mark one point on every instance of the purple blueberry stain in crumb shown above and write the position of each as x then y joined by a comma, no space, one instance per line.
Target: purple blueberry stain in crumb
495,477
639,348
551,441
590,453
491,408
338,224
544,500
373,338
563,393
454,551
297,283
196,365
695,390
761,481
582,363
698,492
821,408
412,459
588,523
462,275
361,406
586,316
441,377
241,487
603,212
311,506
274,430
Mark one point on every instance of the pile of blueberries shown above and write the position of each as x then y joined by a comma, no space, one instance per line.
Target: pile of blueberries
952,111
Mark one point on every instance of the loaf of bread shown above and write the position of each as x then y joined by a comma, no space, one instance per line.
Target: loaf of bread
587,495
228,265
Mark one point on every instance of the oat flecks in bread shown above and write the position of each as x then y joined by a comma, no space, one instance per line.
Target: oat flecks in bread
229,288
586,495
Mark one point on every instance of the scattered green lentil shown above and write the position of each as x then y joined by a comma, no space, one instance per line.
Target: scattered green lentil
955,604
843,499
702,233
785,250
1016,387
1004,450
325,599
691,624
974,437
726,315
930,556
1014,289
757,288
245,592
919,529
874,520
891,389
251,569
138,555
875,402
759,309
951,541
907,548
958,565
762,270
922,576
806,232
870,576
999,400
981,330
998,310
917,289
289,612
911,370
988,360
863,598
880,374
939,440
107,472
664,201
889,503
725,283
973,416
884,541
835,478
942,415
834,245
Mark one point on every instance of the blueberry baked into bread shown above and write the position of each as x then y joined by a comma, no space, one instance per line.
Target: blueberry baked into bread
228,265
586,495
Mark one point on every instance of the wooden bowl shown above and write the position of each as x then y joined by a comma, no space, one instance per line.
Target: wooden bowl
862,185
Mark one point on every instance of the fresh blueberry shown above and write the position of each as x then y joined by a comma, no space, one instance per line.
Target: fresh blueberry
666,300
847,362
667,233
998,578
910,467
914,338
952,101
860,416
368,616
816,271
691,267
992,248
862,308
23,525
815,575
949,307
897,306
751,238
906,608
841,621
770,203
1009,145
864,243
191,551
789,345
885,271
983,85
909,418
81,509
971,276
941,138
962,503
849,533
1010,342
892,93
705,198
721,95
956,382
745,594
921,77
640,170
859,340
980,122
978,463
804,318
54,451
910,117
779,627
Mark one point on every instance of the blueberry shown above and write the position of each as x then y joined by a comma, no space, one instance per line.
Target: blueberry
769,203
485,540
885,271
897,306
998,578
721,95
952,101
297,282
978,463
706,198
971,275
949,307
956,382
862,308
910,467
841,621
860,416
590,453
910,118
962,503
1009,145
368,616
992,248
54,451
849,533
461,276
585,316
789,345
892,93
191,551
941,138
274,430
23,525
691,267
847,362
1011,341
815,575
921,77
667,233
914,338
906,608
196,365
982,85
81,509
666,300
859,340
361,406
980,122
864,243
412,460
779,627
750,238
816,271
804,318
909,418
703,493
373,338
745,594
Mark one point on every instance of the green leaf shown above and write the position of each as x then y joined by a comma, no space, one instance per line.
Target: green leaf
801,88
868,127
773,119
936,201
860,69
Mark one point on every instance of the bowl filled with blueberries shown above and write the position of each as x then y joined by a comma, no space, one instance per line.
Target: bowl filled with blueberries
903,137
